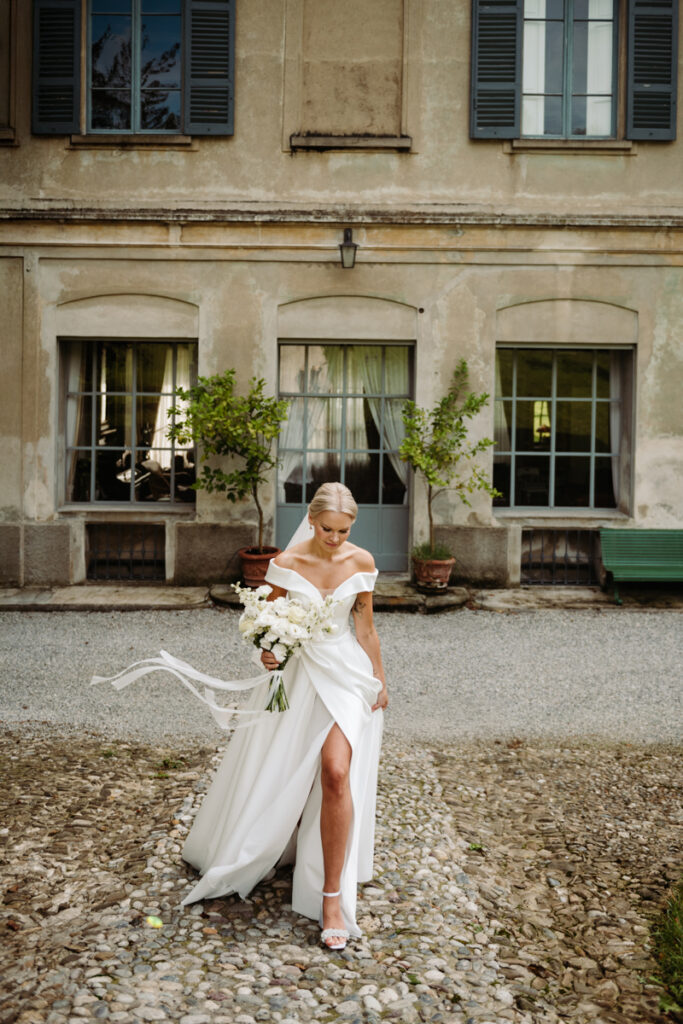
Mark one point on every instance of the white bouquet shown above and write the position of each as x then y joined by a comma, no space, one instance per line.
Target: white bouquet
281,626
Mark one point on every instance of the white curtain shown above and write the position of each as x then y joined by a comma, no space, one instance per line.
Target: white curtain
599,72
291,437
160,444
616,397
368,365
76,370
297,432
533,106
501,426
162,421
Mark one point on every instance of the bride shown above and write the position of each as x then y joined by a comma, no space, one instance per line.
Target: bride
301,785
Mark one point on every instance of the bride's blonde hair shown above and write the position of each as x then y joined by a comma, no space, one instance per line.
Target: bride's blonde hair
333,497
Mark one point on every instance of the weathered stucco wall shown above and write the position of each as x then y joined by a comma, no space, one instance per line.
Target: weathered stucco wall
11,289
463,302
219,240
303,65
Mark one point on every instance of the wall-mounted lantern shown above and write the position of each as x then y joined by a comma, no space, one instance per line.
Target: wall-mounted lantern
347,250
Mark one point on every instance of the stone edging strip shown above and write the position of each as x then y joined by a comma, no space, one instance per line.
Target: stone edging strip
390,595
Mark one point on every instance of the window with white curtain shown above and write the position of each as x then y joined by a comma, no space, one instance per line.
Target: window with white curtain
117,400
569,68
345,420
561,427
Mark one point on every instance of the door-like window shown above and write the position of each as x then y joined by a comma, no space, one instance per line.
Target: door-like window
559,427
118,397
345,423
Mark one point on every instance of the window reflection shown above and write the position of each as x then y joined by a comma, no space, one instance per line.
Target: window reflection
136,67
123,454
574,416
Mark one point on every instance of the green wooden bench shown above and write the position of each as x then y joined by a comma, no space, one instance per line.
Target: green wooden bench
642,555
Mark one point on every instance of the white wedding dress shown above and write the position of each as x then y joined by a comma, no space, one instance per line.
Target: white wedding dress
263,806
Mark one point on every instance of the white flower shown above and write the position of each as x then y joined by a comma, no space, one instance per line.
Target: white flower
280,651
282,626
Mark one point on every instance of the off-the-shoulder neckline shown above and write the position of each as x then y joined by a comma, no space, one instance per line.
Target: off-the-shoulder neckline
372,572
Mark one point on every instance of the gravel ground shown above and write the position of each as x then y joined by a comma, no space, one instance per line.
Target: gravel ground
464,675
528,828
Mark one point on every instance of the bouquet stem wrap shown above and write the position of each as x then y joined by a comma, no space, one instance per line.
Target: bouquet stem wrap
277,695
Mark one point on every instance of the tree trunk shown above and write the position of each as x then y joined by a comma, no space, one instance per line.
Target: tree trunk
431,518
254,491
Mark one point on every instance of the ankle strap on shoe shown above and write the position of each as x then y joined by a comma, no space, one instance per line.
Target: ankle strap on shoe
332,893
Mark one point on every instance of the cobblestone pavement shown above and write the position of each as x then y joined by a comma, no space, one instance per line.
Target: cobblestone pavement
513,882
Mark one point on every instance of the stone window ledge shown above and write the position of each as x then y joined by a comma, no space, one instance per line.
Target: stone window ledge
126,510
560,517
114,141
402,143
7,137
603,147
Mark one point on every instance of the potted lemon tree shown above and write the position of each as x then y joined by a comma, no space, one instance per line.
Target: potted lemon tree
437,446
243,427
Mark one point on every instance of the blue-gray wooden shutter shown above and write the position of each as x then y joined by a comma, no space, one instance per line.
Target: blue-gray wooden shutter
209,67
56,67
496,69
652,69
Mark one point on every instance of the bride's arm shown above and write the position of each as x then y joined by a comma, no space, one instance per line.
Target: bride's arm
366,634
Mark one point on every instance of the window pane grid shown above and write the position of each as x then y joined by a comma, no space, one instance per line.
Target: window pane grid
350,412
139,466
569,69
132,91
571,472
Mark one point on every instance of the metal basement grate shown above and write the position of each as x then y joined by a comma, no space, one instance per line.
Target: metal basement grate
126,551
562,557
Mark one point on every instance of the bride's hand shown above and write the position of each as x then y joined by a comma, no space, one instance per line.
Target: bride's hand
382,699
269,660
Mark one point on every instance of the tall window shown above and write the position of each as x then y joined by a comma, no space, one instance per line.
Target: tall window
559,420
160,66
118,396
548,69
135,65
568,68
345,420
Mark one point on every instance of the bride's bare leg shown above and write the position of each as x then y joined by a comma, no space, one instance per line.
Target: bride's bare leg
335,818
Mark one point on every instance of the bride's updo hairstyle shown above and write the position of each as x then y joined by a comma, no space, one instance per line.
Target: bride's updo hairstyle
333,497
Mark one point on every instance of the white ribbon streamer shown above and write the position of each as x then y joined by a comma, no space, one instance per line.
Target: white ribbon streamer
184,672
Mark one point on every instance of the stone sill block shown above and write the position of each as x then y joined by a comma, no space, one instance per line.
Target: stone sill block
126,141
104,598
572,147
402,143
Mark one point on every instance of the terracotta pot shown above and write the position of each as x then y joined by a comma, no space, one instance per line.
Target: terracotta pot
255,564
432,573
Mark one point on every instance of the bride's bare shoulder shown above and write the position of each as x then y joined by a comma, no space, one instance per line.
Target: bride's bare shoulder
362,560
291,557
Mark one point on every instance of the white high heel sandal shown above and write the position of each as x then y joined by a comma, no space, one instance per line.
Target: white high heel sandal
340,934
